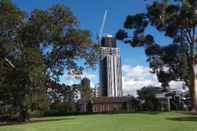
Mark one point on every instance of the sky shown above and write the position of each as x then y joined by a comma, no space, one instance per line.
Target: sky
136,72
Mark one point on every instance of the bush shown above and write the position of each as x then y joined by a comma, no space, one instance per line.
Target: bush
37,114
147,95
55,112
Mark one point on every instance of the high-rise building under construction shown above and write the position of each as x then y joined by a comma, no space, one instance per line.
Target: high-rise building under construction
110,68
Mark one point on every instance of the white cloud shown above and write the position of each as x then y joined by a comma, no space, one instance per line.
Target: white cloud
70,79
134,78
178,86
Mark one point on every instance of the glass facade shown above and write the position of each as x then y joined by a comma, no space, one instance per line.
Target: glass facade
110,69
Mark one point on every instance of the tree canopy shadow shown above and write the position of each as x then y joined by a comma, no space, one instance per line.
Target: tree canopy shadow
184,118
114,113
37,120
189,113
151,112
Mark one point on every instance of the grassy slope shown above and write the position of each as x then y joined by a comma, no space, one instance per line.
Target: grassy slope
114,122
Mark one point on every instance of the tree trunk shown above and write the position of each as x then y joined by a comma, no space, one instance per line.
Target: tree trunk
194,64
23,116
193,91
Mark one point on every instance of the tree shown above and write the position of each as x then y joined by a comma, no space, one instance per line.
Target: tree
148,96
62,97
41,46
176,19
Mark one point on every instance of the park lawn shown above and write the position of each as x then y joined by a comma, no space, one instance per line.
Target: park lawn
111,122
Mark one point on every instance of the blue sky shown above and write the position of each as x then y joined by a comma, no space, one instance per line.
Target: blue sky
90,14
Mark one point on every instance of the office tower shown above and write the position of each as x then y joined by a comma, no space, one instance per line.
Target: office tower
110,68
85,82
85,89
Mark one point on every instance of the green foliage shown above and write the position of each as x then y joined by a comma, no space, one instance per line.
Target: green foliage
62,97
55,112
177,20
148,97
36,48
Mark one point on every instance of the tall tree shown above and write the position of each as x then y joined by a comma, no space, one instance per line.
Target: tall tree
38,47
176,19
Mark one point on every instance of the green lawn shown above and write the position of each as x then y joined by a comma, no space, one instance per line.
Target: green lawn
111,122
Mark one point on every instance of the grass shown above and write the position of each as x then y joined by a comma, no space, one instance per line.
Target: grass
111,122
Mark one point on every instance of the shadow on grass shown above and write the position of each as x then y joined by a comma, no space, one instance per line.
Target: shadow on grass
188,113
115,113
187,116
151,113
36,120
184,118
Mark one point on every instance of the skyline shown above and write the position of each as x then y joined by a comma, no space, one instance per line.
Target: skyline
90,13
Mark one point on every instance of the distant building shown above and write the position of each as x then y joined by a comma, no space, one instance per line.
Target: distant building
85,82
85,91
113,104
86,94
110,69
109,104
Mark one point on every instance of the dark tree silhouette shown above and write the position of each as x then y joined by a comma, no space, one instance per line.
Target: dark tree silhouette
40,46
177,20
